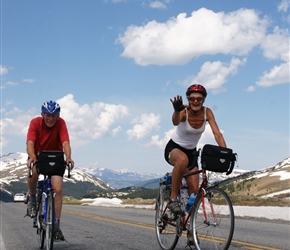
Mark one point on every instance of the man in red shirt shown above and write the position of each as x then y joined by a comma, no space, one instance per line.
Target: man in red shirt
48,132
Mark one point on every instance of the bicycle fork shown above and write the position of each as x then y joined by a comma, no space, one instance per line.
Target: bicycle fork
204,193
45,204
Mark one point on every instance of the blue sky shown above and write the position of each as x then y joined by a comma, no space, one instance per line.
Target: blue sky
114,65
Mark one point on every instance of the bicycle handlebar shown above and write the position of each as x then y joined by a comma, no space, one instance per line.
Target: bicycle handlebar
69,167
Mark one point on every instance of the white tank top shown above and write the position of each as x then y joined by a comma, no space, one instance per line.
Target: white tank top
187,136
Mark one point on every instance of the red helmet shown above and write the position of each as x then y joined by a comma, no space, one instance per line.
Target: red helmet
196,88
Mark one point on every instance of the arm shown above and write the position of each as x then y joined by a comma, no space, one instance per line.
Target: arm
31,152
67,152
215,129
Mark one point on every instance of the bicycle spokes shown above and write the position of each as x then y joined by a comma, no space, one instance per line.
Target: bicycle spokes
213,220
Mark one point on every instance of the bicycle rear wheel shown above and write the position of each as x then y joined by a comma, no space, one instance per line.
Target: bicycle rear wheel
39,220
50,217
165,221
212,221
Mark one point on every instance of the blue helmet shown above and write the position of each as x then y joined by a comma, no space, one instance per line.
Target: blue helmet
50,108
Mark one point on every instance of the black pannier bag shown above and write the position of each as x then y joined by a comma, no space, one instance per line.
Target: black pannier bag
217,159
51,163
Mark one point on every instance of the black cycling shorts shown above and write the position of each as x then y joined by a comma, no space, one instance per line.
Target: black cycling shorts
191,155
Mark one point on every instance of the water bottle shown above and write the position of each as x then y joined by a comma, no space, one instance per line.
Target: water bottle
168,179
183,197
190,202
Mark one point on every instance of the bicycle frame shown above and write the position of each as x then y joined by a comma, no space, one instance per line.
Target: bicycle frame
45,192
182,222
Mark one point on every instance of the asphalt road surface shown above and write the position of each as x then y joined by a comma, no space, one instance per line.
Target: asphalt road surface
108,228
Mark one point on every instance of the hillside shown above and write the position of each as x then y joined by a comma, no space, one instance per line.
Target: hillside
14,174
269,185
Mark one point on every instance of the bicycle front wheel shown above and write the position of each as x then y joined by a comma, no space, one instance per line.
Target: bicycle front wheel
39,220
165,222
50,217
212,220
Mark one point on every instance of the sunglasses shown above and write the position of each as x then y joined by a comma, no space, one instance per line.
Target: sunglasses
192,99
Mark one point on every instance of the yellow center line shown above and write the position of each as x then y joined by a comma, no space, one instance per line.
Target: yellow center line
240,244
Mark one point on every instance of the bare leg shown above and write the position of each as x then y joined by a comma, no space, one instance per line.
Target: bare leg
192,182
56,182
32,182
180,161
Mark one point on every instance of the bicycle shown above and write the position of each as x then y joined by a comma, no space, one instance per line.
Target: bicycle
45,218
209,222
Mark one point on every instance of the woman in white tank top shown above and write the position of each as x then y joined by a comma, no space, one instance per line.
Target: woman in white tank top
190,121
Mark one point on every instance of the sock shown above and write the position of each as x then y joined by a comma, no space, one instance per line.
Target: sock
56,224
32,197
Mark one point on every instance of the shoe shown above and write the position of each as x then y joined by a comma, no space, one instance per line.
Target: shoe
34,222
174,206
31,208
58,236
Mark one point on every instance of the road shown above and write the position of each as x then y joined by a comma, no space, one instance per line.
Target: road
108,228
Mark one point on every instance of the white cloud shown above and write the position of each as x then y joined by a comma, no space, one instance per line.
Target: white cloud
276,45
157,5
15,122
84,122
3,70
91,120
144,125
161,143
28,80
181,38
12,84
251,88
214,74
284,5
277,75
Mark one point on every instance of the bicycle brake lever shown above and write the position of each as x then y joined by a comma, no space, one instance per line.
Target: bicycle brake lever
31,169
68,169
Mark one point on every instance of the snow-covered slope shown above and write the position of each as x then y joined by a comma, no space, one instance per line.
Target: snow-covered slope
14,169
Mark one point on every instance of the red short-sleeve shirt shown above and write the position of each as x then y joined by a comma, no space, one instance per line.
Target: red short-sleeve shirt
46,138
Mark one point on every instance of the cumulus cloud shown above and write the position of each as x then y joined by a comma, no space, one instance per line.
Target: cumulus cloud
91,120
182,38
275,47
161,142
144,125
214,74
277,75
84,122
15,122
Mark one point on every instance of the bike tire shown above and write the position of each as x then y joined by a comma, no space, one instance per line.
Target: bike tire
165,221
212,227
39,220
50,219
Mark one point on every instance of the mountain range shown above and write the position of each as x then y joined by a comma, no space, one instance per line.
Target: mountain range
83,180
14,172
